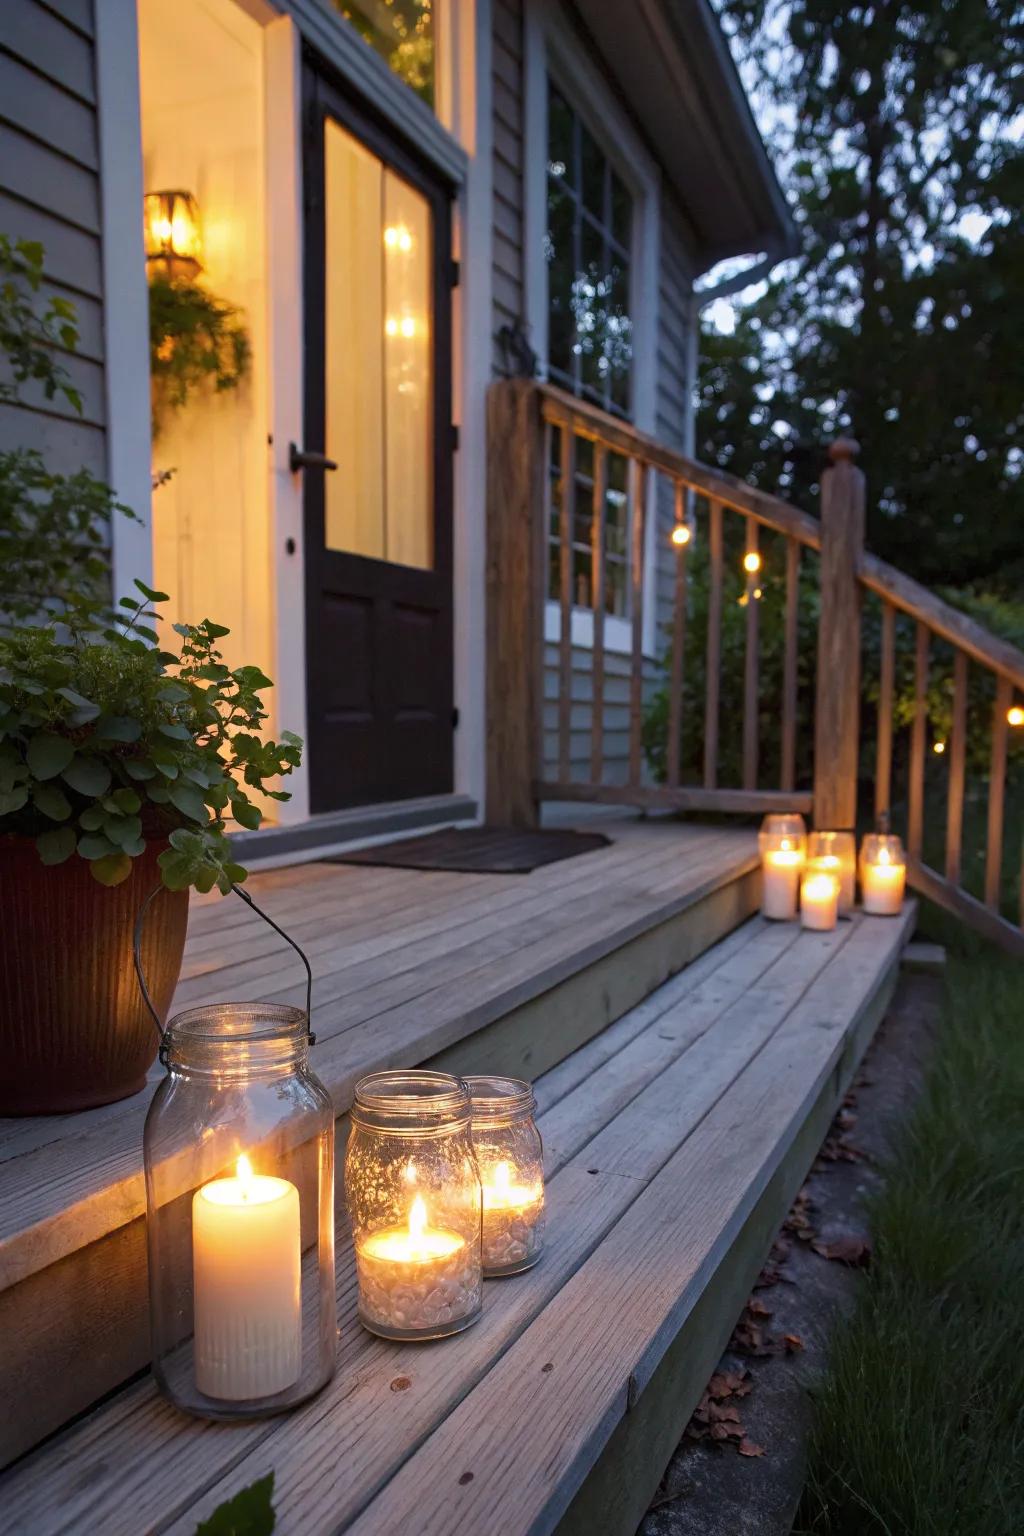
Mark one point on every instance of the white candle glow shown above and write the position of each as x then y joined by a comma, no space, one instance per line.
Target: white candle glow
415,1278
513,1221
882,883
246,1255
819,900
781,876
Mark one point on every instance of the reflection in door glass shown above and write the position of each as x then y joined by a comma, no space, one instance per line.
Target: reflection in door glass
378,373
402,32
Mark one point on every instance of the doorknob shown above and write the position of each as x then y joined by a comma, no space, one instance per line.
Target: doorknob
299,459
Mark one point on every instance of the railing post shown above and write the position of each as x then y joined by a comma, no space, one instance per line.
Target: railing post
837,704
515,601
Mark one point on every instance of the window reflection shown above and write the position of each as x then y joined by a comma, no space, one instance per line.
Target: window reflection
590,333
402,32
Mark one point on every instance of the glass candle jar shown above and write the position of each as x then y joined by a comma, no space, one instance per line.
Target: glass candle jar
511,1161
883,874
836,854
239,1156
782,842
413,1192
819,899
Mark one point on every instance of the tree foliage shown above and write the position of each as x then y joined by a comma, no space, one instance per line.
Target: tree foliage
892,126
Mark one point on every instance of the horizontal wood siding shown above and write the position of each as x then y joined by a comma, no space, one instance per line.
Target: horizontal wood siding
508,306
49,191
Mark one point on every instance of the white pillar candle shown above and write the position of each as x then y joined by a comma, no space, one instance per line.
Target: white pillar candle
513,1221
417,1278
781,882
819,900
246,1256
882,885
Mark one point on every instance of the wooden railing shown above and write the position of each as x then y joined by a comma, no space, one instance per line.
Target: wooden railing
537,434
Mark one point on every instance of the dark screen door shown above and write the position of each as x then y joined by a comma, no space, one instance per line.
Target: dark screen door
378,528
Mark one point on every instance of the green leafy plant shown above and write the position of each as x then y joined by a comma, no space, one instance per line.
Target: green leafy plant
109,741
249,1513
28,336
195,340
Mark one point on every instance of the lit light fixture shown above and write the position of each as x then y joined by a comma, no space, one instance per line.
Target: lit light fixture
758,594
171,233
397,238
1015,715
681,535
938,747
408,326
751,562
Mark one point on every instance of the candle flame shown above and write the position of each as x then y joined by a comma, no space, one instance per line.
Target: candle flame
883,856
417,1218
786,845
244,1175
502,1177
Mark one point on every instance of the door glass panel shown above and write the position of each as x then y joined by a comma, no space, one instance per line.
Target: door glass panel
378,358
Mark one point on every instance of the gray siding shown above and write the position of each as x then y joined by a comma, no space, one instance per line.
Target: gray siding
675,276
49,191
507,168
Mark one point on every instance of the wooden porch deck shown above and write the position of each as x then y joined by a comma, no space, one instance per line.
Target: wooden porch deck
675,1139
480,972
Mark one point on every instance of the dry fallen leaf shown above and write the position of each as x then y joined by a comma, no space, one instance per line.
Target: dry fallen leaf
793,1342
749,1448
757,1308
852,1250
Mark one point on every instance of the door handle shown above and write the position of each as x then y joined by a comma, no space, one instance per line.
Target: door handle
298,459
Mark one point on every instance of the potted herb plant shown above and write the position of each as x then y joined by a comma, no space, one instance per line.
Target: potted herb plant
121,763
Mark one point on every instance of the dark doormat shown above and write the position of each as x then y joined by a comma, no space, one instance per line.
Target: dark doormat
478,850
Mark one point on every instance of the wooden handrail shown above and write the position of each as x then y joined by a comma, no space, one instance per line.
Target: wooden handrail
942,619
564,410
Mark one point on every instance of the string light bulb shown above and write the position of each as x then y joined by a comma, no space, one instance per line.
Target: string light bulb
938,747
752,562
681,535
1015,715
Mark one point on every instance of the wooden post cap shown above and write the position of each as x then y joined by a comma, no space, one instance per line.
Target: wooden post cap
843,450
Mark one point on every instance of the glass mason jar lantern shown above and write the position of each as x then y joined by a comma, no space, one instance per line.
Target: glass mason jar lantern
413,1192
836,853
883,874
239,1155
511,1161
782,843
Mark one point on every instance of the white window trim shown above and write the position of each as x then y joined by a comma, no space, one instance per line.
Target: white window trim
550,48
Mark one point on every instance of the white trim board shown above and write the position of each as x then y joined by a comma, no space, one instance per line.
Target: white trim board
125,297
551,48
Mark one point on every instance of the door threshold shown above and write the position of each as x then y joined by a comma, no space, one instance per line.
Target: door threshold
358,827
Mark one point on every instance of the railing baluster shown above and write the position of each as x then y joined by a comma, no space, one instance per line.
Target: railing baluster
957,758
996,790
886,683
915,807
750,666
714,651
565,532
636,673
675,697
597,601
789,665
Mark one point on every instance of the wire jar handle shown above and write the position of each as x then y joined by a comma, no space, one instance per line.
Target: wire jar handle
244,895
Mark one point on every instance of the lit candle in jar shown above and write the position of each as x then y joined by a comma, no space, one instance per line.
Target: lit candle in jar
415,1281
882,881
819,900
781,875
513,1222
246,1254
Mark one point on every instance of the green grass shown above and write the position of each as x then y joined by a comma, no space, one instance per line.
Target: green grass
920,1422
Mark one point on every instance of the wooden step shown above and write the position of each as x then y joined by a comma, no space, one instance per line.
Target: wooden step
478,972
674,1141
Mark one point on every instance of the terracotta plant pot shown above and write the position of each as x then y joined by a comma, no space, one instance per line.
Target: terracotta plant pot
74,1031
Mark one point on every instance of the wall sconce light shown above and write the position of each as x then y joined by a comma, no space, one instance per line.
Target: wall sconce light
171,231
